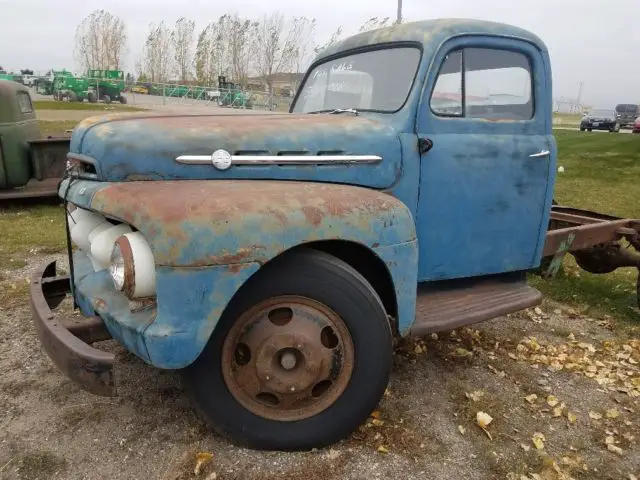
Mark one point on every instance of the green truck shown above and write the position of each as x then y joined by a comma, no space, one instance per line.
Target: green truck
104,85
30,166
107,85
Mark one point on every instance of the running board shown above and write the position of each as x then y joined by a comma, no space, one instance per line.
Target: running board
447,305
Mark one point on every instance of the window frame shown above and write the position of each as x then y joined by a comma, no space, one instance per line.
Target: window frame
354,51
463,83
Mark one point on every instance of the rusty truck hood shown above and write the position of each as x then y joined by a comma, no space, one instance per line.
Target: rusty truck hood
146,146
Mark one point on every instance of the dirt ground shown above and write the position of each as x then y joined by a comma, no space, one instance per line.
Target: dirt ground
562,390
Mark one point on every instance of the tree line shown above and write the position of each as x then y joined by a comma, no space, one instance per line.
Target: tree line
234,46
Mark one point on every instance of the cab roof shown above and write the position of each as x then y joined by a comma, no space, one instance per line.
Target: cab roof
430,32
9,102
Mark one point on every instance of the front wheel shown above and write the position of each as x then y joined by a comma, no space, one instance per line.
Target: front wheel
123,100
300,358
106,99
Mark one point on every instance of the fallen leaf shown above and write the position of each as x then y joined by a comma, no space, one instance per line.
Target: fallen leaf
461,429
377,422
557,411
538,440
375,414
202,459
531,398
483,419
632,477
612,413
609,440
594,415
463,352
628,437
475,396
418,349
382,449
614,449
571,337
538,310
526,448
552,401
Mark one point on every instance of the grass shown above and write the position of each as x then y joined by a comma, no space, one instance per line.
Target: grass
601,172
53,105
567,119
26,231
57,127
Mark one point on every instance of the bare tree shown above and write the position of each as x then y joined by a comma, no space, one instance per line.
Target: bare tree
182,42
157,53
334,38
101,41
277,43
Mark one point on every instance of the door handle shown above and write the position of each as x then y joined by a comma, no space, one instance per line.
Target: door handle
543,153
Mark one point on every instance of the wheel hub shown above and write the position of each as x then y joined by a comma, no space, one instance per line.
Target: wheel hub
288,358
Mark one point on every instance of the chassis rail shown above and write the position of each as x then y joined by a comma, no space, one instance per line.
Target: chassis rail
600,243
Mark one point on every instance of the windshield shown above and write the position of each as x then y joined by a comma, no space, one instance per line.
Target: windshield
601,113
378,80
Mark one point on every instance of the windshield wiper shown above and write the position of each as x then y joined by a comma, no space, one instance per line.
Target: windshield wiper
337,110
344,110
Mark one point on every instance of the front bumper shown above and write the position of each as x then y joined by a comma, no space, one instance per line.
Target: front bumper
68,341
599,125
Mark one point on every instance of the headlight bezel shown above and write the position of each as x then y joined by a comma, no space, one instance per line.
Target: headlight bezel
121,266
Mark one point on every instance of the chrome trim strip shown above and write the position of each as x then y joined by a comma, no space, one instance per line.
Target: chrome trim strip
283,159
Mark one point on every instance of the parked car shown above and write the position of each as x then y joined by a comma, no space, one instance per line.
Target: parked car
273,259
626,114
636,126
600,120
140,89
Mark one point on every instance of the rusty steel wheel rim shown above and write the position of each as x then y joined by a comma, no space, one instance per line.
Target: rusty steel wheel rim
288,358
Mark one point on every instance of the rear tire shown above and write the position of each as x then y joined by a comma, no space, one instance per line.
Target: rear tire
92,97
106,99
73,97
310,278
123,100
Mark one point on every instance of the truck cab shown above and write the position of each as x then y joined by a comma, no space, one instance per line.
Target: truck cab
30,166
272,259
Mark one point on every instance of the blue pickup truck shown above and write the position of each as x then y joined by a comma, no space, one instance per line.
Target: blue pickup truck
273,259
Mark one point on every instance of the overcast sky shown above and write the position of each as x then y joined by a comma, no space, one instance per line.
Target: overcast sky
593,41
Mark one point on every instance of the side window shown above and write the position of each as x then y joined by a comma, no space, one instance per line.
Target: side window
484,83
24,102
446,99
497,84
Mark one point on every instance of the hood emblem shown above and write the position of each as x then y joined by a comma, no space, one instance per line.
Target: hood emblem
221,159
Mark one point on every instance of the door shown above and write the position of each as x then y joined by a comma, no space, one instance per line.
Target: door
486,183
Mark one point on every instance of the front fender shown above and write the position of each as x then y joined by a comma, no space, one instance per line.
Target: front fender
201,223
207,232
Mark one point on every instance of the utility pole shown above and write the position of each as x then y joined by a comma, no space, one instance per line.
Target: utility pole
399,17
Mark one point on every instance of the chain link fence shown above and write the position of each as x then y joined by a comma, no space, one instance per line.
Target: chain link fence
159,94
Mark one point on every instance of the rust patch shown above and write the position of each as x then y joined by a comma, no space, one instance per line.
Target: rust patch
229,258
222,201
129,286
313,215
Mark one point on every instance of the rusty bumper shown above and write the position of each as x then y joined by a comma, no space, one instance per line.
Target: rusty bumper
67,341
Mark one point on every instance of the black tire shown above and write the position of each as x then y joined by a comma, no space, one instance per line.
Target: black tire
582,129
73,97
337,285
123,100
590,129
106,99
92,97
